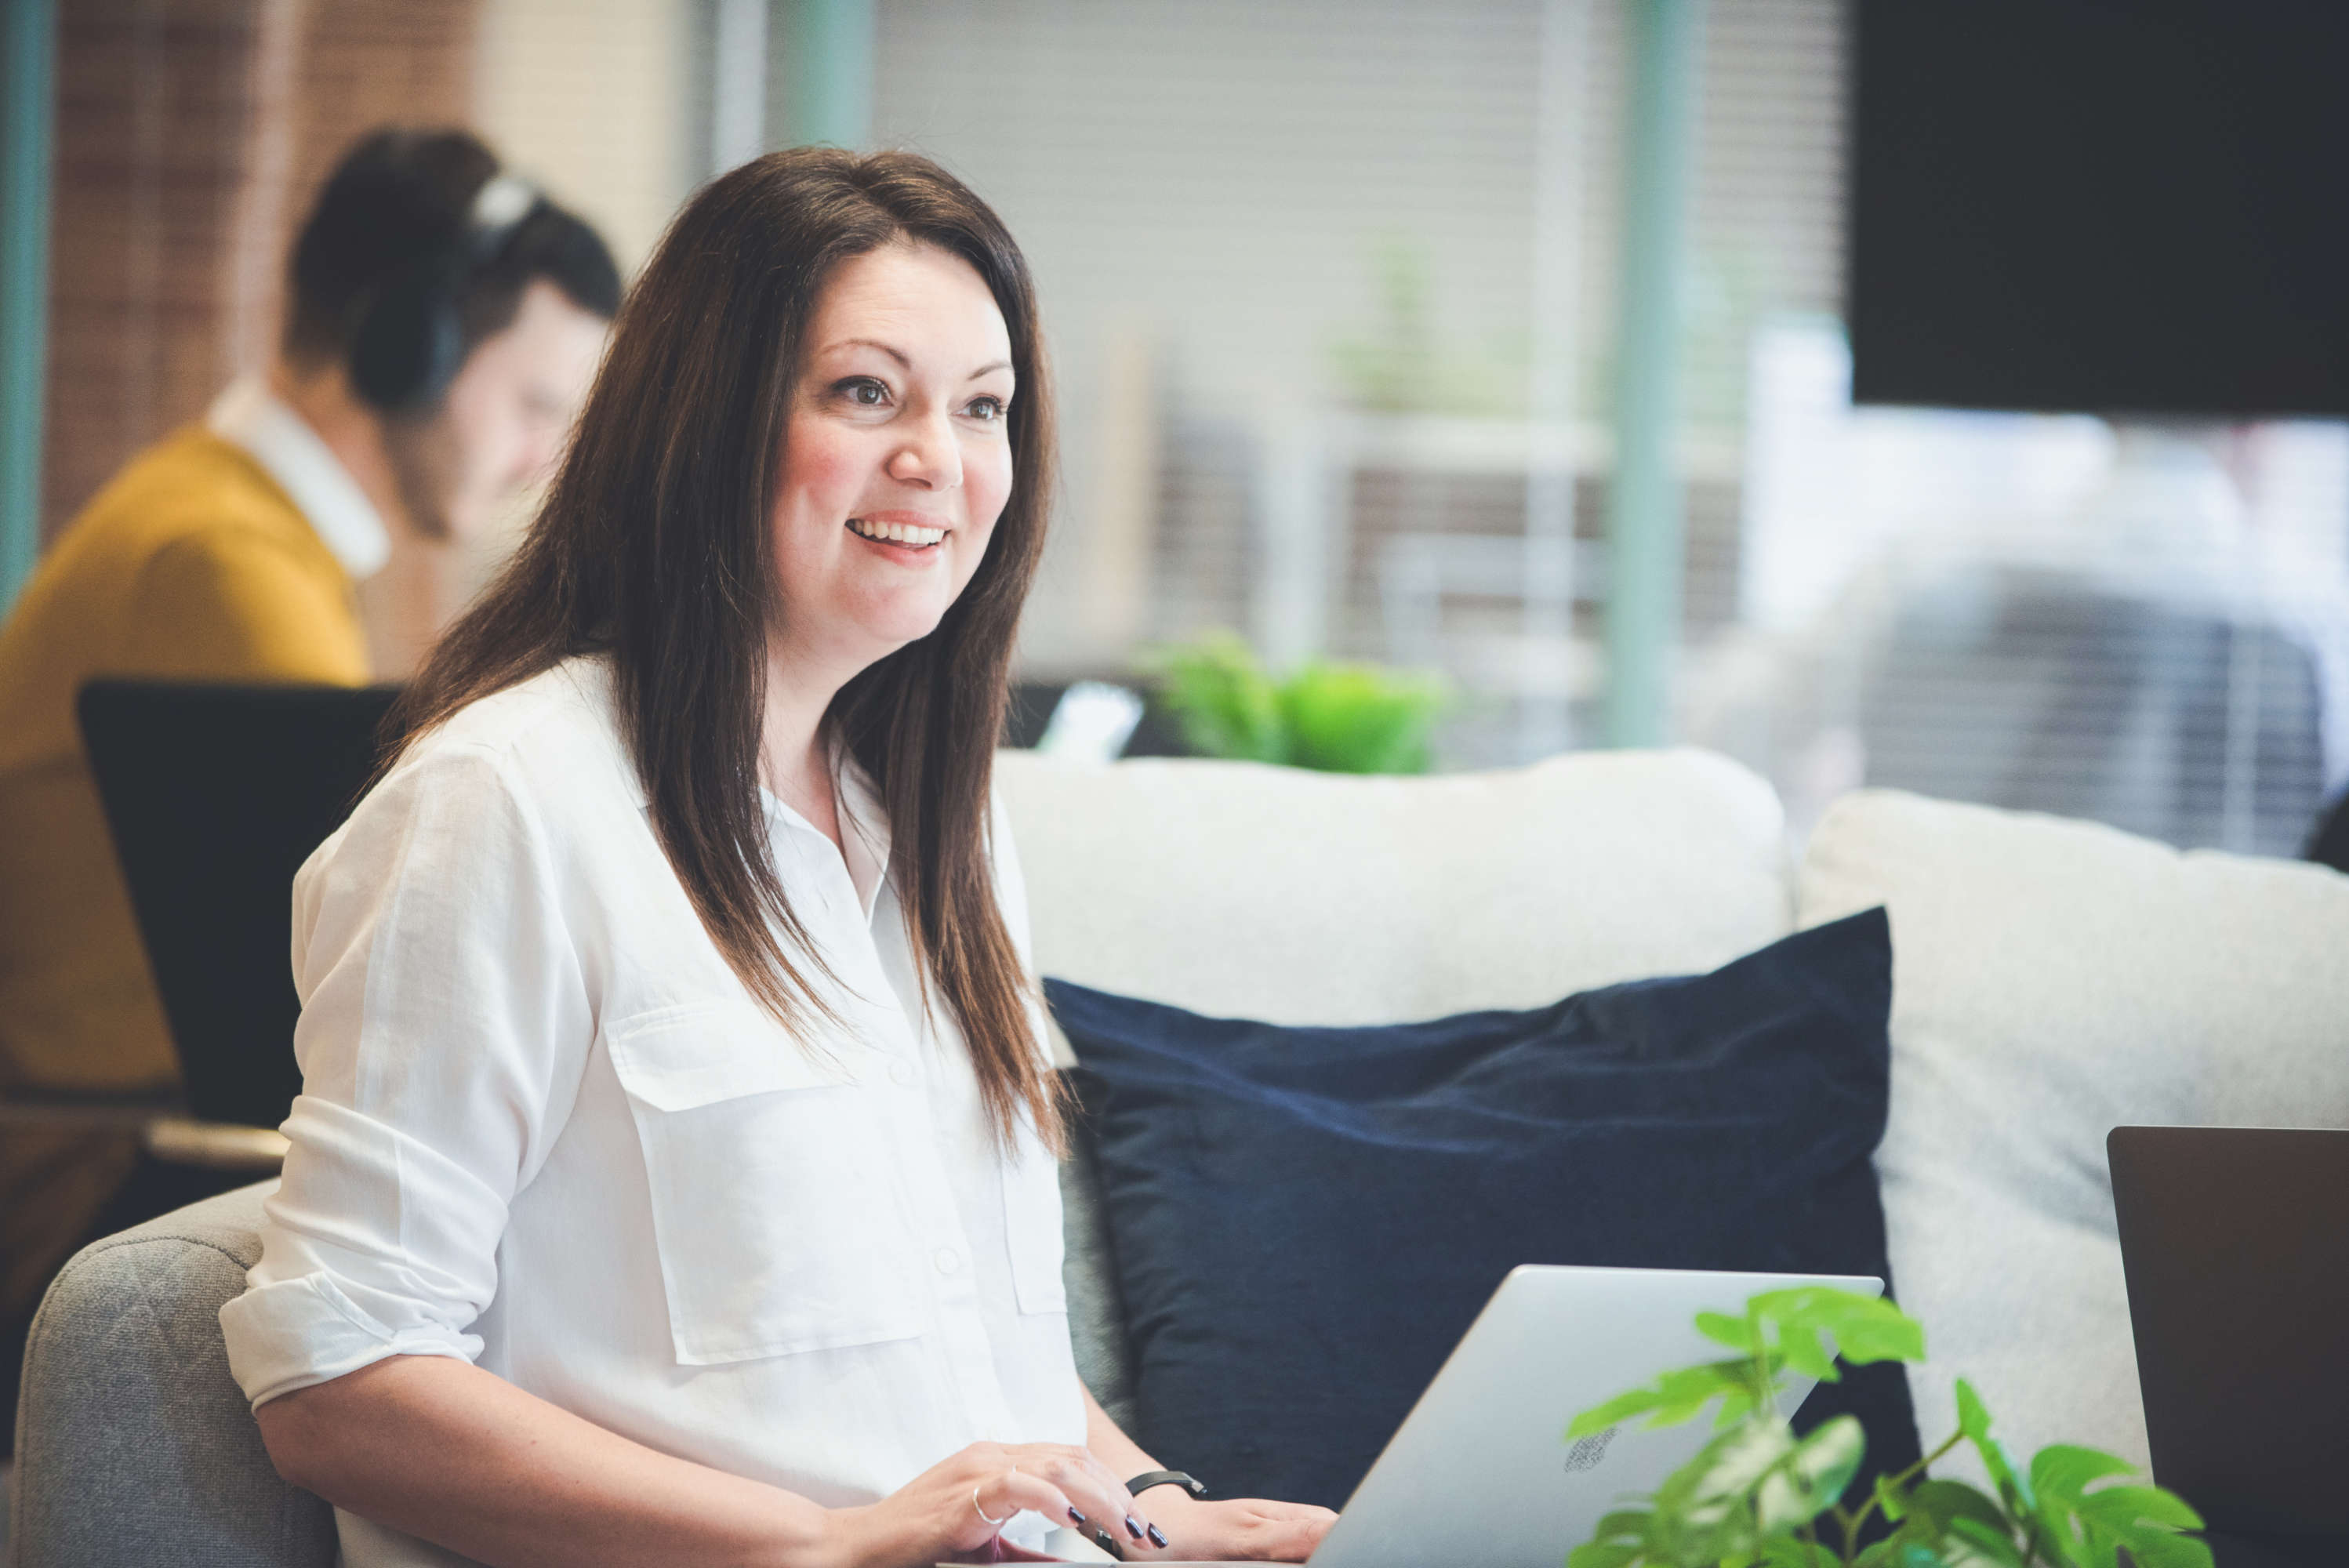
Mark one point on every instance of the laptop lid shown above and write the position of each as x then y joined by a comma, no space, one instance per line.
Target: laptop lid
1480,1475
2235,1241
215,795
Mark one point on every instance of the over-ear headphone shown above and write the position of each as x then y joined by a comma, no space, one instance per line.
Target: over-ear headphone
410,342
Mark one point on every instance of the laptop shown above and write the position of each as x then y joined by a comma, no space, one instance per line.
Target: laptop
2235,1241
1480,1474
215,795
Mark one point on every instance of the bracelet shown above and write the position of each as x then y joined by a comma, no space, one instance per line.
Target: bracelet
1149,1478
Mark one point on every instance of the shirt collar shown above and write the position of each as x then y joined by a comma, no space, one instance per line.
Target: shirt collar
248,416
863,829
863,833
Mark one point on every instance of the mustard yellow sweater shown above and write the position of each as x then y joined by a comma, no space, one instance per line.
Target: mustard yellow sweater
190,563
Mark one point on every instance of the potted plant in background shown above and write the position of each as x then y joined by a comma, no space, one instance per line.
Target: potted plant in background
1757,1496
1337,717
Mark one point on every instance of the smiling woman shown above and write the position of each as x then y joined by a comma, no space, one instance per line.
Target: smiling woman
672,1178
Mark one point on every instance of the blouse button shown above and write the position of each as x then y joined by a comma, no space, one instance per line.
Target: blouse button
947,1260
901,1073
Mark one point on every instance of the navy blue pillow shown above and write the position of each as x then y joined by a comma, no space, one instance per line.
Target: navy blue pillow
1304,1221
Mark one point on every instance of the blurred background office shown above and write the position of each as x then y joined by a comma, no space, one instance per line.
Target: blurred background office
1505,339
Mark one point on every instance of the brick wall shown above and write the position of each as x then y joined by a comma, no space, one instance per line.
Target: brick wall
190,135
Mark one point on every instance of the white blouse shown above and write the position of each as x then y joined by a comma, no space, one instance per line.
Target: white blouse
545,1130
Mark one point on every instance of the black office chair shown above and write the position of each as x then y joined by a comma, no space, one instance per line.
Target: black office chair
216,794
2329,845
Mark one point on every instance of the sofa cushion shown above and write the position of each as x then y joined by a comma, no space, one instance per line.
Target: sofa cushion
2054,980
1241,889
1303,1221
134,1445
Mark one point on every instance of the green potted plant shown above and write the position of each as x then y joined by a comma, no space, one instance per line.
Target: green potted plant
1337,717
1757,1496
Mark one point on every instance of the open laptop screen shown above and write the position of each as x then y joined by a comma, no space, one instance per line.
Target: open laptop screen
2236,1244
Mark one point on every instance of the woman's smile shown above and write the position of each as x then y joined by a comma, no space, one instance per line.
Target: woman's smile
901,536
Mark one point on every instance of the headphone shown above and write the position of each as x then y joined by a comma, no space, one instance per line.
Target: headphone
410,342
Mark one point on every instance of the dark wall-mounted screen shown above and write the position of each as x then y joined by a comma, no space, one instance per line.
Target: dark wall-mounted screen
2107,206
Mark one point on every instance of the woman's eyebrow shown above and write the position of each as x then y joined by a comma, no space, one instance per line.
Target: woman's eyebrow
989,368
895,354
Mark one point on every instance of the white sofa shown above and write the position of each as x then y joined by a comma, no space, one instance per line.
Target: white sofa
2052,980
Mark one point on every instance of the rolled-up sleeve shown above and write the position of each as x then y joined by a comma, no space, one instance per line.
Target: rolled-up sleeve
445,1024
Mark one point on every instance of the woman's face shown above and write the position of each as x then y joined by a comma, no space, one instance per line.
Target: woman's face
896,459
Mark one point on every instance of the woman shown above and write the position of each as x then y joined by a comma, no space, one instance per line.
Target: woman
672,1178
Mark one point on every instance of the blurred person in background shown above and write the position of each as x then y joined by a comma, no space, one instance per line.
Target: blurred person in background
444,320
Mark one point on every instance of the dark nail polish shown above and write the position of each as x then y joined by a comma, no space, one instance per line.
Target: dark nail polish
1075,1515
1131,1527
1158,1537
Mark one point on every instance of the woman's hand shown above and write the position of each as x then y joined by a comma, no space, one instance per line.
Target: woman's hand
956,1510
1237,1530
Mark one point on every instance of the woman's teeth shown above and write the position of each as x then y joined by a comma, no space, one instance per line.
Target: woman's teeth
897,532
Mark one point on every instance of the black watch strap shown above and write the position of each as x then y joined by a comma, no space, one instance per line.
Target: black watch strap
1149,1478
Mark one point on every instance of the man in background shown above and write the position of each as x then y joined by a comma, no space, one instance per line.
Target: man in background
443,323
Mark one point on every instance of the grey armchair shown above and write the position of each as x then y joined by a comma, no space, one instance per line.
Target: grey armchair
135,1447
133,1444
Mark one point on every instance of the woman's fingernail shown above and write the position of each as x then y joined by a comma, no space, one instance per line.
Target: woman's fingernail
1158,1537
1075,1515
1131,1527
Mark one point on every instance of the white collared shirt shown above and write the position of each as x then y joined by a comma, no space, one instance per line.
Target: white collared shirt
250,415
544,1129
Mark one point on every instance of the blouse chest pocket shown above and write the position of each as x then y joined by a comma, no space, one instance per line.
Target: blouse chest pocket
775,1206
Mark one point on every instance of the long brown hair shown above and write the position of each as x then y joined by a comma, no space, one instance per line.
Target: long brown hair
653,549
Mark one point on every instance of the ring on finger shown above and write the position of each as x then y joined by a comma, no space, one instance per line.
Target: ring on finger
992,1523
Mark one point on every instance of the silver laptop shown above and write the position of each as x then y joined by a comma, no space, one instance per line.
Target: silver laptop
1480,1474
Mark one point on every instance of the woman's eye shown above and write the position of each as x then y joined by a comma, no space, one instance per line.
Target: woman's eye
864,391
987,408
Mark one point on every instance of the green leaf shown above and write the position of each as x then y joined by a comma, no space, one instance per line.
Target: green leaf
1889,1501
1974,1417
1905,1550
2063,1473
2170,1552
1737,1333
1737,1405
1361,719
1943,1502
1224,703
1673,1398
1726,1468
1604,1555
1973,1421
1705,1510
1624,1522
2146,1520
1613,1413
1975,1541
1812,1476
1865,1328
1690,1389
2119,1508
1800,1343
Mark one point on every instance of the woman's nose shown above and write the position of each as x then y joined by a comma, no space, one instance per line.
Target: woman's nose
930,458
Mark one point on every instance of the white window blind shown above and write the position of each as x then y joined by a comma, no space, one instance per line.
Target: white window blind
1294,255
1288,251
